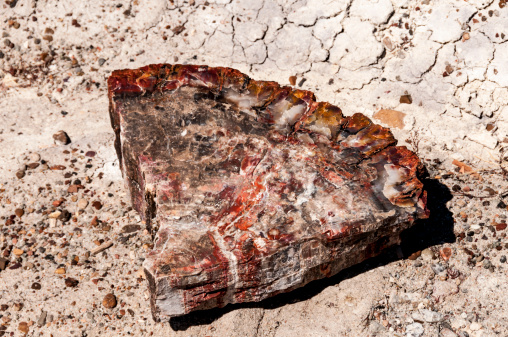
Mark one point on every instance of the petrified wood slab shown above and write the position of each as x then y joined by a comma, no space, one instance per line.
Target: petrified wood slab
252,189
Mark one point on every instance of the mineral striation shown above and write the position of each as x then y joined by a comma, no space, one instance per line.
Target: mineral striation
250,188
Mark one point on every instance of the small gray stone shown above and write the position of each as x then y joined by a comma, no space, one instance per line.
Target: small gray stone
414,330
431,316
487,264
438,268
42,318
90,316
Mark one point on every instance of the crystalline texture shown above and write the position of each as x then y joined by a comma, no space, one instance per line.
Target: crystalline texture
251,188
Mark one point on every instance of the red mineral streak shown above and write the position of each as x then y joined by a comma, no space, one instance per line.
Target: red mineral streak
252,189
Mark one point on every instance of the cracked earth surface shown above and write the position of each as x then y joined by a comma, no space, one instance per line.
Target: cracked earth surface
433,71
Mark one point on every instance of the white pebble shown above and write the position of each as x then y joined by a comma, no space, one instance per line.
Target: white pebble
34,157
475,326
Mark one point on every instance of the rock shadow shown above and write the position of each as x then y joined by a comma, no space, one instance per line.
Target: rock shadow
437,229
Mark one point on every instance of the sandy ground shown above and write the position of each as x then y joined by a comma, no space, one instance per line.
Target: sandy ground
434,71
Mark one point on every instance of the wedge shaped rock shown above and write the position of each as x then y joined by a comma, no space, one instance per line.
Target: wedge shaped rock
251,188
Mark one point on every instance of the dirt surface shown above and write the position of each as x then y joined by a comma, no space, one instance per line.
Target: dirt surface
434,71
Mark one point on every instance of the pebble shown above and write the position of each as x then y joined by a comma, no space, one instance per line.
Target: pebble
97,205
74,188
20,174
54,215
71,282
33,166
82,203
445,253
57,203
502,259
94,222
42,318
487,264
60,271
438,268
414,330
431,316
406,99
453,273
448,333
475,326
61,138
130,228
3,263
19,212
36,286
64,216
109,301
427,254
17,251
23,327
101,61
34,157
501,226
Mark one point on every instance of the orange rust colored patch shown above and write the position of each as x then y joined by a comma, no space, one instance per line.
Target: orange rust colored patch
392,118
445,253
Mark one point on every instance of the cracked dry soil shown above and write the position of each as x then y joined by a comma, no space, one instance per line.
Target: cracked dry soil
433,71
